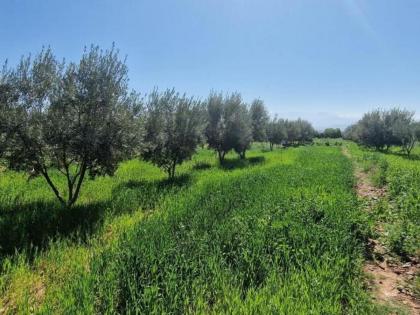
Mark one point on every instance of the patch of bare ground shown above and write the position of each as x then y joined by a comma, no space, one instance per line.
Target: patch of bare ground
388,278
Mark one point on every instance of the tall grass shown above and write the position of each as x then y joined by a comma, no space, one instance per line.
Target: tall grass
400,212
278,233
278,238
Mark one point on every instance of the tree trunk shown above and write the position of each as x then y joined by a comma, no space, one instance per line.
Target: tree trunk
221,156
171,171
54,189
72,200
271,146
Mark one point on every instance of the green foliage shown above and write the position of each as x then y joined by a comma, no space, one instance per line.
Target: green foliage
299,132
400,213
276,132
75,118
331,133
383,129
372,131
289,132
173,129
259,120
229,125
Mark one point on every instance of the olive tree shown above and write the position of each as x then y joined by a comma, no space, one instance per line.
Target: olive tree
259,119
372,131
383,129
76,118
215,131
228,124
276,132
305,131
331,133
238,124
409,135
351,133
7,98
173,129
400,129
298,131
292,132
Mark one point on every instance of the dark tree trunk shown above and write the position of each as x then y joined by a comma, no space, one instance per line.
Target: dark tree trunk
171,170
73,199
221,156
54,189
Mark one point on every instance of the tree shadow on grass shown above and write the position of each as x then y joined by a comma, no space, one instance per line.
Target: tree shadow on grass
26,227
30,225
412,156
231,164
144,194
201,166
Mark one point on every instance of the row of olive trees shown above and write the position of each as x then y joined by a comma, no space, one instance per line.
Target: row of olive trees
381,129
80,119
289,132
330,133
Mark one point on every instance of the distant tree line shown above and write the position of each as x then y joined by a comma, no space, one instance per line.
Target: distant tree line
381,129
79,119
330,133
289,132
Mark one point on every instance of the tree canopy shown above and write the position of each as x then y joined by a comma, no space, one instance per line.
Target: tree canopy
382,129
229,124
77,118
259,119
173,129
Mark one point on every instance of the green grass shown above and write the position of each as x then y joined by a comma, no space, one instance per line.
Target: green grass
281,232
399,213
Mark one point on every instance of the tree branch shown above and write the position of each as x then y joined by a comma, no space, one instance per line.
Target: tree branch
44,172
79,184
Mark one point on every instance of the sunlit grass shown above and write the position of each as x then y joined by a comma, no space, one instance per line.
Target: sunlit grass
280,232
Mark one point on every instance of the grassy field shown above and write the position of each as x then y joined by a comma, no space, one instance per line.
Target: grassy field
281,232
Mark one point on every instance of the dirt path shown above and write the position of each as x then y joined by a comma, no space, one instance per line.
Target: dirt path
387,276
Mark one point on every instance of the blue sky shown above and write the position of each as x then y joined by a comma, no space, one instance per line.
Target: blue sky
327,61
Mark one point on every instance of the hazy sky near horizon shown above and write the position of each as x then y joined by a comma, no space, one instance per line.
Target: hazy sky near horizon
328,61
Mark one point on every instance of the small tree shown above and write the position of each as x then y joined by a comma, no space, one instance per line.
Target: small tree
383,129
410,134
305,131
400,129
259,119
75,118
173,129
351,133
292,132
332,133
228,124
372,131
238,125
276,132
216,125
